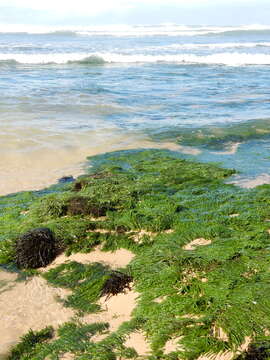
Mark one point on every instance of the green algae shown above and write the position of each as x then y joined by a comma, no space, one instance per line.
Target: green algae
216,137
223,285
26,348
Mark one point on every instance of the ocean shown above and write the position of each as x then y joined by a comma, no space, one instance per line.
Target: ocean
70,92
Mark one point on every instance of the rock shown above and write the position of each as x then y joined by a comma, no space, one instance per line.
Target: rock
66,179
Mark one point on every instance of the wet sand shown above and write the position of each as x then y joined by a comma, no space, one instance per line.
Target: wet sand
250,183
33,169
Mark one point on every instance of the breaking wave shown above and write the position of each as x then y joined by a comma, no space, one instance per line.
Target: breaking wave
230,59
212,46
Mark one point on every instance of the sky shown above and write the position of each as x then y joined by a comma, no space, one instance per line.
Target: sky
91,12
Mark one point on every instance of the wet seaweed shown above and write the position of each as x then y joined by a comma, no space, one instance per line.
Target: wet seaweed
161,203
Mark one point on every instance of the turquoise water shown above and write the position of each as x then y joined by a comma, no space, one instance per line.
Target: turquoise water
68,92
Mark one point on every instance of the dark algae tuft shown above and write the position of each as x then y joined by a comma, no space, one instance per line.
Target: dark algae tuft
259,350
201,265
79,205
36,248
117,283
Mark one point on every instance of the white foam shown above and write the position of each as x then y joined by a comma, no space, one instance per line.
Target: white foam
231,59
212,46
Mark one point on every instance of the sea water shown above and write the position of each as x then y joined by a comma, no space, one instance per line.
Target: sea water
70,92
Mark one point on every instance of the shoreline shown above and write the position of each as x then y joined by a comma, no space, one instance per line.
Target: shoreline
27,173
147,232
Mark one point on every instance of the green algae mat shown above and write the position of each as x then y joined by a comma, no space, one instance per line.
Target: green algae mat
201,265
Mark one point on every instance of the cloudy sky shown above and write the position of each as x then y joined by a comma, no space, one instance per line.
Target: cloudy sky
88,12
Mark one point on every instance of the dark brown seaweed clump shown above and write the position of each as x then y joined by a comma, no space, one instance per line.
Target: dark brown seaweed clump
79,205
36,248
117,283
257,351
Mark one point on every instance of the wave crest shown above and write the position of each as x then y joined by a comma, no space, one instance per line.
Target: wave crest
230,59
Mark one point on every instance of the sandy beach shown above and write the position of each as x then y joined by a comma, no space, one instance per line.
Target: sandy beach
157,253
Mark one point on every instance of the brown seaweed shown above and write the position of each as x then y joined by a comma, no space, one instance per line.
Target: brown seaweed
36,248
117,283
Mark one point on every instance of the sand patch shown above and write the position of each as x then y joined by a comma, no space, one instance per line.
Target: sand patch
160,299
114,259
219,333
191,316
30,305
233,215
138,341
197,242
67,356
139,235
172,345
115,310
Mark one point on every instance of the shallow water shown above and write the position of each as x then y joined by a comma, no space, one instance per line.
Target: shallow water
67,93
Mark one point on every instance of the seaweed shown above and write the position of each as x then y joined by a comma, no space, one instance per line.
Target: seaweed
216,137
86,282
36,248
257,351
79,205
211,296
117,283
26,347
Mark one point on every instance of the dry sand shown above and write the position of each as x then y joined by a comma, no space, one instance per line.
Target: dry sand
33,304
197,242
137,340
172,345
116,310
117,259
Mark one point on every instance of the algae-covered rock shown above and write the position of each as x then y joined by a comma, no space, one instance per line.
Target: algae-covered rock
36,248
